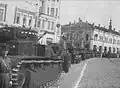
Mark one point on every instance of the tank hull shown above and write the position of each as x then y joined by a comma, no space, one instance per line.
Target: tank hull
36,72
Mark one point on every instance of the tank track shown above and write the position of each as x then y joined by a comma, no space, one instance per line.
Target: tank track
15,71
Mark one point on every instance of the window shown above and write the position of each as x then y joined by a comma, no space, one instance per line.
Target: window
114,41
110,40
42,3
105,39
18,18
48,10
56,11
1,14
52,11
48,24
105,49
52,25
94,48
30,21
39,21
95,37
100,48
117,50
87,37
113,50
43,23
109,49
42,7
101,38
24,20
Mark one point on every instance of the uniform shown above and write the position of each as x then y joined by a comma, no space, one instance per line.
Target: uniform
65,54
5,68
49,51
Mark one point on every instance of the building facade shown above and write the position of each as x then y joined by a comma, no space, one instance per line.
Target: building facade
19,13
49,20
90,36
39,15
105,40
79,34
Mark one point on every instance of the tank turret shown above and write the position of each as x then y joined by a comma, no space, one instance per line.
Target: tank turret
30,67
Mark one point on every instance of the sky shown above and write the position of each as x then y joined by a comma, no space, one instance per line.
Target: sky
93,11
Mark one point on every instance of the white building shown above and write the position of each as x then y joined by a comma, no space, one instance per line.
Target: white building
87,35
106,39
40,15
49,20
19,13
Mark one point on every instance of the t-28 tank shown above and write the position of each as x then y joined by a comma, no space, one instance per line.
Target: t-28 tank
30,67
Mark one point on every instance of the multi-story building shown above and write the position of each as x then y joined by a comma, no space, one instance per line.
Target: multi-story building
18,13
106,39
86,35
3,10
39,15
79,34
49,20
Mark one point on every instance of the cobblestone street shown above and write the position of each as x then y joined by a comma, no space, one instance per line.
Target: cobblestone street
99,73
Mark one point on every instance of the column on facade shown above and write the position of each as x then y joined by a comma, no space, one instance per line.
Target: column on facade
91,41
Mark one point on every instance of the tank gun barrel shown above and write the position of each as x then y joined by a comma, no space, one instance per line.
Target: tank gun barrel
42,35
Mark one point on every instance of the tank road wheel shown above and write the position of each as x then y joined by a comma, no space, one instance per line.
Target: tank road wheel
67,63
21,80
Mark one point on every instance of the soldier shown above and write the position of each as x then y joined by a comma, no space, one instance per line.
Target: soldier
5,66
65,54
48,50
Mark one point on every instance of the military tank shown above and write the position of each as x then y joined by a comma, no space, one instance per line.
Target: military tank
30,67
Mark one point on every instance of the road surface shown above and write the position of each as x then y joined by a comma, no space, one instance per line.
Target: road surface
93,73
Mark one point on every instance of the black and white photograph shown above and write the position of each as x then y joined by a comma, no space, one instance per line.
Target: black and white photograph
59,44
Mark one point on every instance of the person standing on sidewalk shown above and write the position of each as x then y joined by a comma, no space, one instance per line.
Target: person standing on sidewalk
108,54
5,66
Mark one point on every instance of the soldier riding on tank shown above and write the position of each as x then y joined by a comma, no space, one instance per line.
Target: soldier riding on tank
65,54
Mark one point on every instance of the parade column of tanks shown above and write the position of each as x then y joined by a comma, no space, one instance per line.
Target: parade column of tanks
30,67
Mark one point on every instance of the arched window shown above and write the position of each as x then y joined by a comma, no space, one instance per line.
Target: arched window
100,48
109,49
105,49
18,18
113,50
95,37
30,21
24,20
